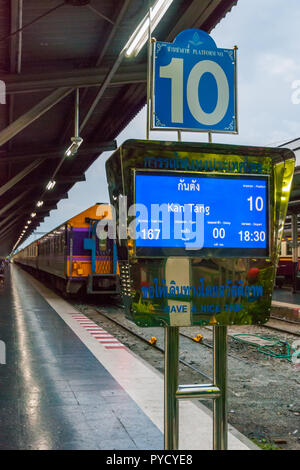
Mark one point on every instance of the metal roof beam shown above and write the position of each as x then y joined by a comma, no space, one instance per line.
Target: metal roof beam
86,149
198,14
113,31
194,15
97,12
28,207
19,210
12,223
2,235
13,181
8,232
26,210
43,215
70,179
34,113
102,89
16,13
4,221
13,202
44,209
15,48
51,197
76,79
59,180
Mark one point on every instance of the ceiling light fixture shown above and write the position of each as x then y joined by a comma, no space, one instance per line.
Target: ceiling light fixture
73,149
50,185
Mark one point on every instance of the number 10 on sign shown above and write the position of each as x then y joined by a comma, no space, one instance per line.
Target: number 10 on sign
193,89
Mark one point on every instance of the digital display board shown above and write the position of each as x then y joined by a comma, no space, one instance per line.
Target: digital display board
214,215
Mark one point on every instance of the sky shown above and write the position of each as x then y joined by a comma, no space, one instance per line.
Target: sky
266,33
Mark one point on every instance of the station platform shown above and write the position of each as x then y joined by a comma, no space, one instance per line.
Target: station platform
286,303
68,384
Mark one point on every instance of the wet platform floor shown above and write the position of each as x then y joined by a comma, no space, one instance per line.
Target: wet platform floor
54,394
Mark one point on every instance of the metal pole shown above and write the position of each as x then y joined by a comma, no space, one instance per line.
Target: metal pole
171,405
235,89
149,75
295,249
220,426
102,89
170,389
76,120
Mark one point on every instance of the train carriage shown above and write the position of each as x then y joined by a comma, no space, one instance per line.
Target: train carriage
284,274
73,258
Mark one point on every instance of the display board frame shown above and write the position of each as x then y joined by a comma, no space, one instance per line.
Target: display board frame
193,290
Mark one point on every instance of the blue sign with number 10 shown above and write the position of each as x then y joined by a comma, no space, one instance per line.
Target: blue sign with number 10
193,85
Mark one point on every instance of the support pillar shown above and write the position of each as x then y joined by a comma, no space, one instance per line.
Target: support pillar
170,388
220,425
294,251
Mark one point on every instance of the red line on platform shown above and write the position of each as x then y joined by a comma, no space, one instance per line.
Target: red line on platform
109,342
98,333
103,336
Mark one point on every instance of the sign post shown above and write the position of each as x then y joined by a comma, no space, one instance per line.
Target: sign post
198,234
198,226
171,405
220,425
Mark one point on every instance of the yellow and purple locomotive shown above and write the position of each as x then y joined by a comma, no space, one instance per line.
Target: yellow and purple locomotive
73,258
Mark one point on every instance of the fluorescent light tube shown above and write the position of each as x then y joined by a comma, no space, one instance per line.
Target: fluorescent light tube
51,185
140,35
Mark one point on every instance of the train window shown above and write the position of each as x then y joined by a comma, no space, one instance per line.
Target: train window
288,249
103,242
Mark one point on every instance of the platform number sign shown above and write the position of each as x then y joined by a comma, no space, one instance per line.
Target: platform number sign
193,85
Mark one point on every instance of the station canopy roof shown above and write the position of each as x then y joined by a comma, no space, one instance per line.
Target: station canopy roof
48,49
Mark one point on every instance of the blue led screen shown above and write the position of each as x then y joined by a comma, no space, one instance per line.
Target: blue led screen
202,212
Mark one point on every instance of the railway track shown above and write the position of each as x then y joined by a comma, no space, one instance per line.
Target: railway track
145,340
134,331
290,327
252,374
285,320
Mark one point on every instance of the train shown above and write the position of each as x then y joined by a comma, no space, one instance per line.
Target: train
72,258
284,274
